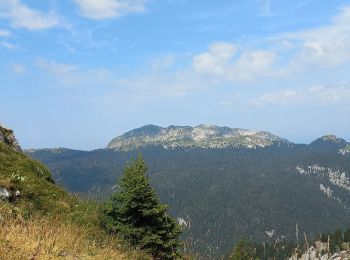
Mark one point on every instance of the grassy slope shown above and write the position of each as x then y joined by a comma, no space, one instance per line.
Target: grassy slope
47,223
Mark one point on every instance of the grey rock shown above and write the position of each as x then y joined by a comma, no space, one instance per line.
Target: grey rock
4,194
315,253
8,137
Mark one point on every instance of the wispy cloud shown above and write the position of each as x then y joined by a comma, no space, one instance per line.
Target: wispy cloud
317,95
5,33
163,62
164,85
110,89
135,92
8,45
265,8
323,47
222,64
70,75
19,15
326,46
230,102
18,68
105,9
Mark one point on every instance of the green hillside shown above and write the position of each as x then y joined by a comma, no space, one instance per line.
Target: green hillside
39,220
33,181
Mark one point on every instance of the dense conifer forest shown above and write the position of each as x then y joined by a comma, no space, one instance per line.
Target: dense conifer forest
224,195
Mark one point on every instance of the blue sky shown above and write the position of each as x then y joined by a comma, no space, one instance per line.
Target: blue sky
76,73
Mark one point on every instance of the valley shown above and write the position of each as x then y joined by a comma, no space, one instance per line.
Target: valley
222,195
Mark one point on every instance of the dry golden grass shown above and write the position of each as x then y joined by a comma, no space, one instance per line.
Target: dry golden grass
43,238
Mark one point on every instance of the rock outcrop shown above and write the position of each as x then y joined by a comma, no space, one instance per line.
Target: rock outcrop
9,195
8,137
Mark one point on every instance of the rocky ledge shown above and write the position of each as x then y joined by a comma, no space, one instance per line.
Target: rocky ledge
8,137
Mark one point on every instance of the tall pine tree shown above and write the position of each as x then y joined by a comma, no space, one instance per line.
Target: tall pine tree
135,213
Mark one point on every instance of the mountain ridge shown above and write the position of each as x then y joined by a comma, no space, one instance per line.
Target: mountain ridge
142,137
204,136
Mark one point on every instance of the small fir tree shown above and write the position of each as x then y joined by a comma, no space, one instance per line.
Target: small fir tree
135,213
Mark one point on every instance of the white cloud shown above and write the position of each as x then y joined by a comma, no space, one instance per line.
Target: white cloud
282,97
215,61
253,64
20,15
4,33
221,61
317,95
288,53
104,9
326,46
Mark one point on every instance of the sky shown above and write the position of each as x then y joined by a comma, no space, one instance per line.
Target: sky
76,73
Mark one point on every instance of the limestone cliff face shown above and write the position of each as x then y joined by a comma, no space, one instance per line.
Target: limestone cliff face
8,137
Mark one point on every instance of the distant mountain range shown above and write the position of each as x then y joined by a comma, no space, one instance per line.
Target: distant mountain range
204,136
223,184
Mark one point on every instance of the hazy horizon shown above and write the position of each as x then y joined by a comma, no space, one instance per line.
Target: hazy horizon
102,147
77,73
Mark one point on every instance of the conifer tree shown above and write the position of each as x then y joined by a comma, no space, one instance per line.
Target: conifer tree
135,213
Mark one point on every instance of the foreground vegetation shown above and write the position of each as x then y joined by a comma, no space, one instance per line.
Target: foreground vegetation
326,244
41,237
41,221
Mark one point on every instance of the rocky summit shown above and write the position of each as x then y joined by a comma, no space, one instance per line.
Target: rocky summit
204,136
